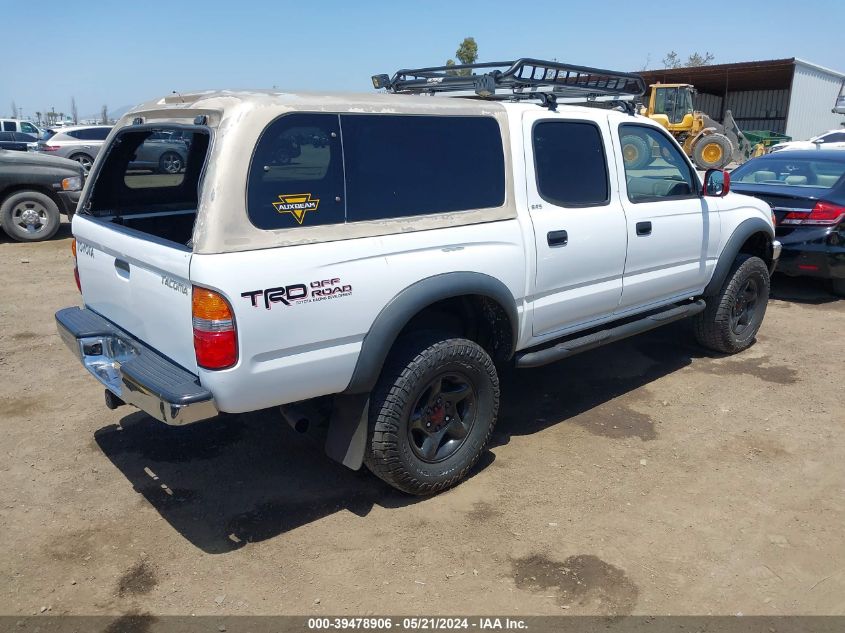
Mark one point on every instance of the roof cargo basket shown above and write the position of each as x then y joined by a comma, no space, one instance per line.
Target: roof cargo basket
521,79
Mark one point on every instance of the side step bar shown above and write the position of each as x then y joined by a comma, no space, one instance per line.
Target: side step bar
596,339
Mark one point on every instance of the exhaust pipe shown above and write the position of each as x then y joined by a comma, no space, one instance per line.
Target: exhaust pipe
296,418
112,401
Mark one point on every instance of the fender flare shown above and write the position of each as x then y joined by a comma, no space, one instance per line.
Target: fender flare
741,233
402,308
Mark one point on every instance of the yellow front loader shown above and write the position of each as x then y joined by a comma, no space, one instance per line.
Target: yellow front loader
708,143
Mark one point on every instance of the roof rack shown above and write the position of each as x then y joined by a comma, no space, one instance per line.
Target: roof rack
521,79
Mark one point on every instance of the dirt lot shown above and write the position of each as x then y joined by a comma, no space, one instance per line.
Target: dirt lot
645,477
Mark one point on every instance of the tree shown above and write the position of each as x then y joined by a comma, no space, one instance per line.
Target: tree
104,115
467,53
73,113
38,117
673,60
700,60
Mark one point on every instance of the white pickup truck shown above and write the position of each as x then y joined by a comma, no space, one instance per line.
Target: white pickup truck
380,255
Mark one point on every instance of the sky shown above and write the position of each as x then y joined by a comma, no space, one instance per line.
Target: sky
121,53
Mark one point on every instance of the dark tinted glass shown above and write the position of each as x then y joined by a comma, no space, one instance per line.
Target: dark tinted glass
91,134
296,175
398,166
9,126
570,163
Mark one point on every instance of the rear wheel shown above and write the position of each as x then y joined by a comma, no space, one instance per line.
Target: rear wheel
636,152
85,160
170,163
431,413
29,216
713,151
730,322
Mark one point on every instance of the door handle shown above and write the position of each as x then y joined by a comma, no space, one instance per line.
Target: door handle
557,238
122,268
643,228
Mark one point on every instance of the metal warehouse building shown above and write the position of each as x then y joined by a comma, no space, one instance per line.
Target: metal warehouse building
789,96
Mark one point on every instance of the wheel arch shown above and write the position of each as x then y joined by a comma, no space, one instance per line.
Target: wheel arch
753,236
464,293
13,189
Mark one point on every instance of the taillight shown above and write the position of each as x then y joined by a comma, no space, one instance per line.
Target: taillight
75,265
50,148
824,214
215,337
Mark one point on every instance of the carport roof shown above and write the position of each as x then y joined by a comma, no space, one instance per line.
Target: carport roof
770,74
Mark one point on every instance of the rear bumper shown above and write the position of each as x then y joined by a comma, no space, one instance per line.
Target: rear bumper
812,255
132,371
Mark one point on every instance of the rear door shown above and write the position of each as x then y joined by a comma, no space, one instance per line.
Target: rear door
579,223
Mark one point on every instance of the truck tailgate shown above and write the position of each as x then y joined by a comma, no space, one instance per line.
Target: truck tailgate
138,282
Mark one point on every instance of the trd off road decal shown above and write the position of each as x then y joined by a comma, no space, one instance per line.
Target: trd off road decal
294,294
297,204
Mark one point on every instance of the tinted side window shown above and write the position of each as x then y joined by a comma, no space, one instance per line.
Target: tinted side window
399,166
655,169
76,134
98,133
570,163
9,126
296,175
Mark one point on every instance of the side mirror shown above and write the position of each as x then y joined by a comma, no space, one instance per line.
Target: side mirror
717,183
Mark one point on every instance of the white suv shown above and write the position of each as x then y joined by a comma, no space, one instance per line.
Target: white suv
376,257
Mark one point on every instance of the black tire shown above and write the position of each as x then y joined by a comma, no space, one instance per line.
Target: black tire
403,427
636,152
838,286
170,163
703,147
30,216
730,322
84,160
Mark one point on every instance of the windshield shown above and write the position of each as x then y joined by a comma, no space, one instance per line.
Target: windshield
792,172
675,103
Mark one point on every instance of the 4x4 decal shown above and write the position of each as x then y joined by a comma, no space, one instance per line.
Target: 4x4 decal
297,204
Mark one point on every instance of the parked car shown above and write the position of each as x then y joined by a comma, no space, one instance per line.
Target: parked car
403,250
164,152
834,139
18,141
81,143
16,125
806,191
34,190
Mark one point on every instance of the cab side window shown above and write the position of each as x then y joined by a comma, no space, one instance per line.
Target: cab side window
655,169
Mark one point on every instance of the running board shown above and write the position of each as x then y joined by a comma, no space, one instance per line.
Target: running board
596,339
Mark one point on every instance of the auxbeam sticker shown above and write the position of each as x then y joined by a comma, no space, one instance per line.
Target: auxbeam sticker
294,294
297,204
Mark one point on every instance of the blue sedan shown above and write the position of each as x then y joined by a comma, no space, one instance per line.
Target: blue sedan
806,190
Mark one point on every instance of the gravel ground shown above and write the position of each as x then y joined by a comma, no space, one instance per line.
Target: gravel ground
644,477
